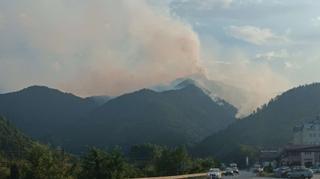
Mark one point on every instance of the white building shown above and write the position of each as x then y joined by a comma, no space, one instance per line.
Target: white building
307,133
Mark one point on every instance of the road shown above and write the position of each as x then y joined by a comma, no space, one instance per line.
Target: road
249,175
243,175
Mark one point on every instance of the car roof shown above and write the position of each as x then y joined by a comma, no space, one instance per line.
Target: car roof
214,169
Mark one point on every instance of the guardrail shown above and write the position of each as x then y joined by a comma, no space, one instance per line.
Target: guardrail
177,176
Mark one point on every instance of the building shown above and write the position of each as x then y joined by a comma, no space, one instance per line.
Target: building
305,147
269,157
307,133
300,155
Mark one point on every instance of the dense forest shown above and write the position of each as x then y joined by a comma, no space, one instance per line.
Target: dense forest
42,162
184,112
270,126
175,117
23,158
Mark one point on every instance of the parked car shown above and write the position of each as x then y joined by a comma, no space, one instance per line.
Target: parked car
282,172
234,168
232,165
228,172
300,172
315,169
214,173
257,169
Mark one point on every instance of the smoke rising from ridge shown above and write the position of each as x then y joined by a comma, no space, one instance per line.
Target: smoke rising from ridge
108,47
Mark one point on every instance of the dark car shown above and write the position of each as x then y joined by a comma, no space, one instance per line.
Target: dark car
282,172
235,170
228,172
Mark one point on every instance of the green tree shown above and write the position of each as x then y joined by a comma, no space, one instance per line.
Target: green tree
203,165
14,171
117,165
44,163
173,162
94,164
144,157
98,164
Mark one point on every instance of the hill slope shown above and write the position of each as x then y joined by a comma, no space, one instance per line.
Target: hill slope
43,113
172,117
245,100
270,126
12,142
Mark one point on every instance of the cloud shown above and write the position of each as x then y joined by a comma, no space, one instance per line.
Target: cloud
255,35
291,65
273,55
256,83
203,4
95,47
316,21
215,3
114,47
281,57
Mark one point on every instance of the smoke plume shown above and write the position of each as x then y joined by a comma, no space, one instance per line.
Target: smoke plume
107,47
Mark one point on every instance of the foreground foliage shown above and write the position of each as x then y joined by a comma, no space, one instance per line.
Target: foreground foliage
144,160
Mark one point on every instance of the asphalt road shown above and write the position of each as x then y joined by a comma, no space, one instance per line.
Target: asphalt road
249,175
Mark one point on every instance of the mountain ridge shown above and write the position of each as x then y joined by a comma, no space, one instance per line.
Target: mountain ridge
59,118
168,118
269,126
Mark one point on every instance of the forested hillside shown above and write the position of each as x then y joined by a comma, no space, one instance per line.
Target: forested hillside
175,117
12,142
44,113
269,126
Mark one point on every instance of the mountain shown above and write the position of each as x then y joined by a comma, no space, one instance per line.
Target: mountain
12,142
44,113
243,99
269,126
182,116
174,117
99,100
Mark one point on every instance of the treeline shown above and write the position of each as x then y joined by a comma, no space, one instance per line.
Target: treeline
41,162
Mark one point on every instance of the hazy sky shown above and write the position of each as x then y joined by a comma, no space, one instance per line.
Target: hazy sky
284,34
116,46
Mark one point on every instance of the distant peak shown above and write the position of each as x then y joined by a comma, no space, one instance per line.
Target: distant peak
38,88
186,83
189,81
145,90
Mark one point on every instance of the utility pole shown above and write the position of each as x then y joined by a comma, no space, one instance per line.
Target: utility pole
247,162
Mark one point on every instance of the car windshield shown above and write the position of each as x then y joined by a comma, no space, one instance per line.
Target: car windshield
233,165
214,170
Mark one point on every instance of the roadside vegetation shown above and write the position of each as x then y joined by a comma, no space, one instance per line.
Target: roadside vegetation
41,162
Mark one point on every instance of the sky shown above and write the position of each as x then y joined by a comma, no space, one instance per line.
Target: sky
283,34
111,47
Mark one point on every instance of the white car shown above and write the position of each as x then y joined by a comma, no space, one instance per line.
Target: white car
214,173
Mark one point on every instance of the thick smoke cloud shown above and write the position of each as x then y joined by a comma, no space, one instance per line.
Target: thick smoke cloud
247,85
111,47
99,47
